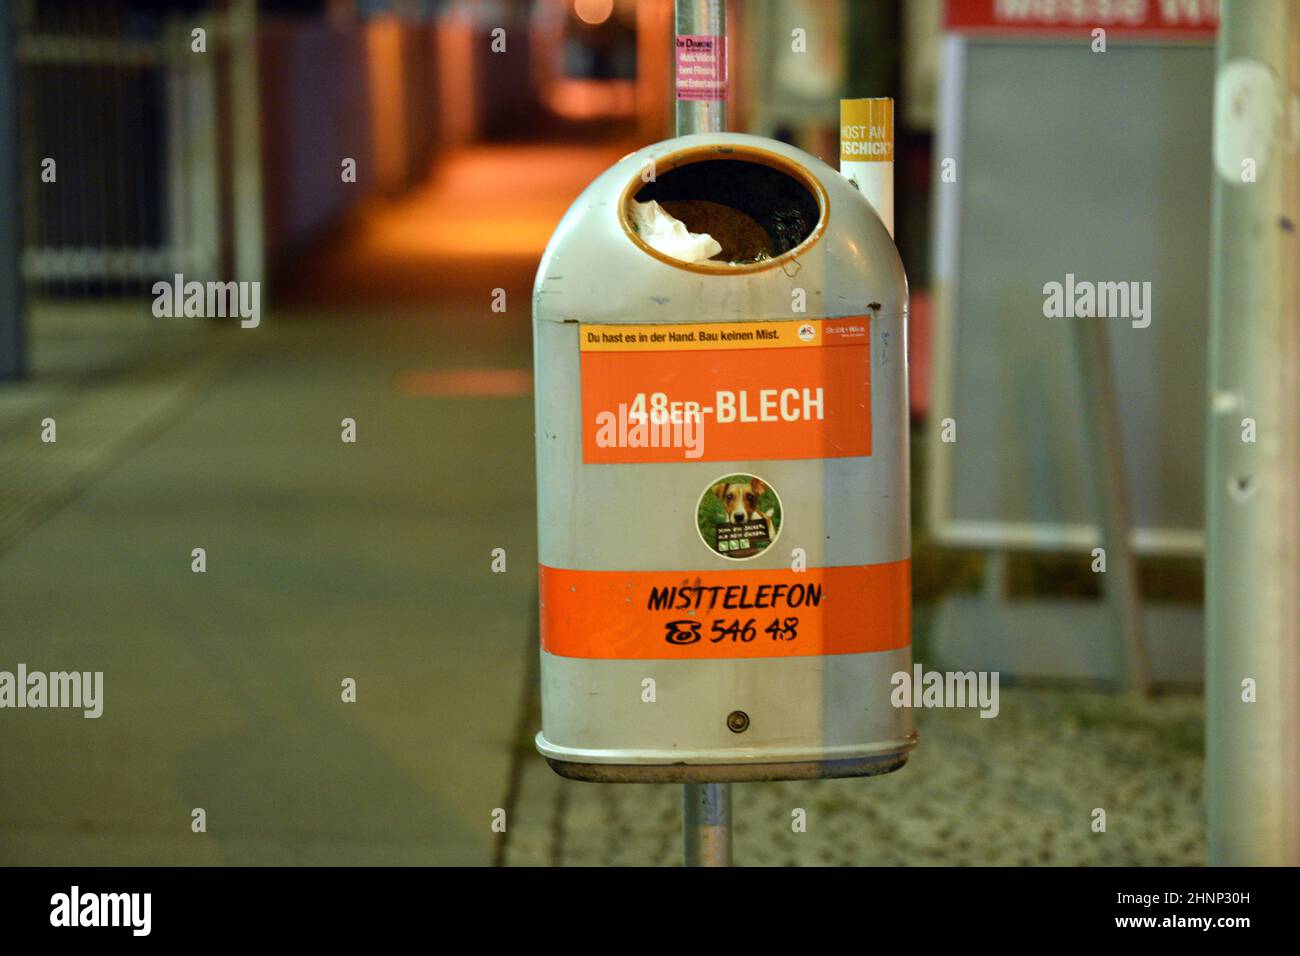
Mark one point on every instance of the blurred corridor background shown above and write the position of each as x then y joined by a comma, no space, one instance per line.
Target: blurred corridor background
389,172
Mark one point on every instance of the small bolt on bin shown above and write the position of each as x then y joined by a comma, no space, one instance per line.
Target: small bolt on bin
722,468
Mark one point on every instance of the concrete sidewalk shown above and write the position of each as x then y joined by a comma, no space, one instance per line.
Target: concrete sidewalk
325,561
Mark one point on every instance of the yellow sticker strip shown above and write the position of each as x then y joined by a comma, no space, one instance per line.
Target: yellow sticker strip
703,336
867,130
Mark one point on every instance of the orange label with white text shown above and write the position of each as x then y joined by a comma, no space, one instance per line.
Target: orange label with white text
726,391
711,615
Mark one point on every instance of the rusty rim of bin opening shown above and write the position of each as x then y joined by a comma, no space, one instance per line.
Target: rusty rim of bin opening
750,154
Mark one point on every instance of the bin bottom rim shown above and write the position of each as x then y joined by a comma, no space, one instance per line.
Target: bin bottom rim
657,766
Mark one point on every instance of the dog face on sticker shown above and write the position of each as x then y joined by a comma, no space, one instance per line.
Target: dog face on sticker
740,500
738,516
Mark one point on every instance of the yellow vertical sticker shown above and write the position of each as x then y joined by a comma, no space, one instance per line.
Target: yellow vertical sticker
867,130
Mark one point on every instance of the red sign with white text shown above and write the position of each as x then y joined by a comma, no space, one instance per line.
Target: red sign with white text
1147,19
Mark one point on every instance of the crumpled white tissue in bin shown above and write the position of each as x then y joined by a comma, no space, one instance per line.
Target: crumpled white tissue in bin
665,234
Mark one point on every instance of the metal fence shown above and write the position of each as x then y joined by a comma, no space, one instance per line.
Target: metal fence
134,146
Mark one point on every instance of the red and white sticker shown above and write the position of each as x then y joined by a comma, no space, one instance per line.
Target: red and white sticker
1149,19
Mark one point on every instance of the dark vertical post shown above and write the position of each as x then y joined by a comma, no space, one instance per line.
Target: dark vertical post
13,345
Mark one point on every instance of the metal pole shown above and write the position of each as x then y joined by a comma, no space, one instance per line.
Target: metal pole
1120,582
702,18
706,807
1252,549
706,824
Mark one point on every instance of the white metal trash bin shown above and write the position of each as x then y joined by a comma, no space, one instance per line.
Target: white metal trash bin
722,468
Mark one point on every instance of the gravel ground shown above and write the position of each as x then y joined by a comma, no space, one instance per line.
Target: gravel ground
1018,789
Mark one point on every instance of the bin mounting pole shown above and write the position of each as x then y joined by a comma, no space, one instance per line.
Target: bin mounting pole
706,824
706,807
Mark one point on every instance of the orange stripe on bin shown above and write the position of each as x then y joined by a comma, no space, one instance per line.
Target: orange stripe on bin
714,615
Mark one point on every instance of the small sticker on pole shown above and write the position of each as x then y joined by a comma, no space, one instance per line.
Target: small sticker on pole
701,67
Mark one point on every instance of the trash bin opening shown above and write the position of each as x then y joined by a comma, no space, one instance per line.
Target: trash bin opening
761,208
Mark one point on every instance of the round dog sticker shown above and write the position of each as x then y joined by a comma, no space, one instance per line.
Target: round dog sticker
739,516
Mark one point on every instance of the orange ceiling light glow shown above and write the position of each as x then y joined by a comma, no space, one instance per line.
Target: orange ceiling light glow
593,11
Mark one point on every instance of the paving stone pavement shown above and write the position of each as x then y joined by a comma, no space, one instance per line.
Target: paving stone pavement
1018,789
